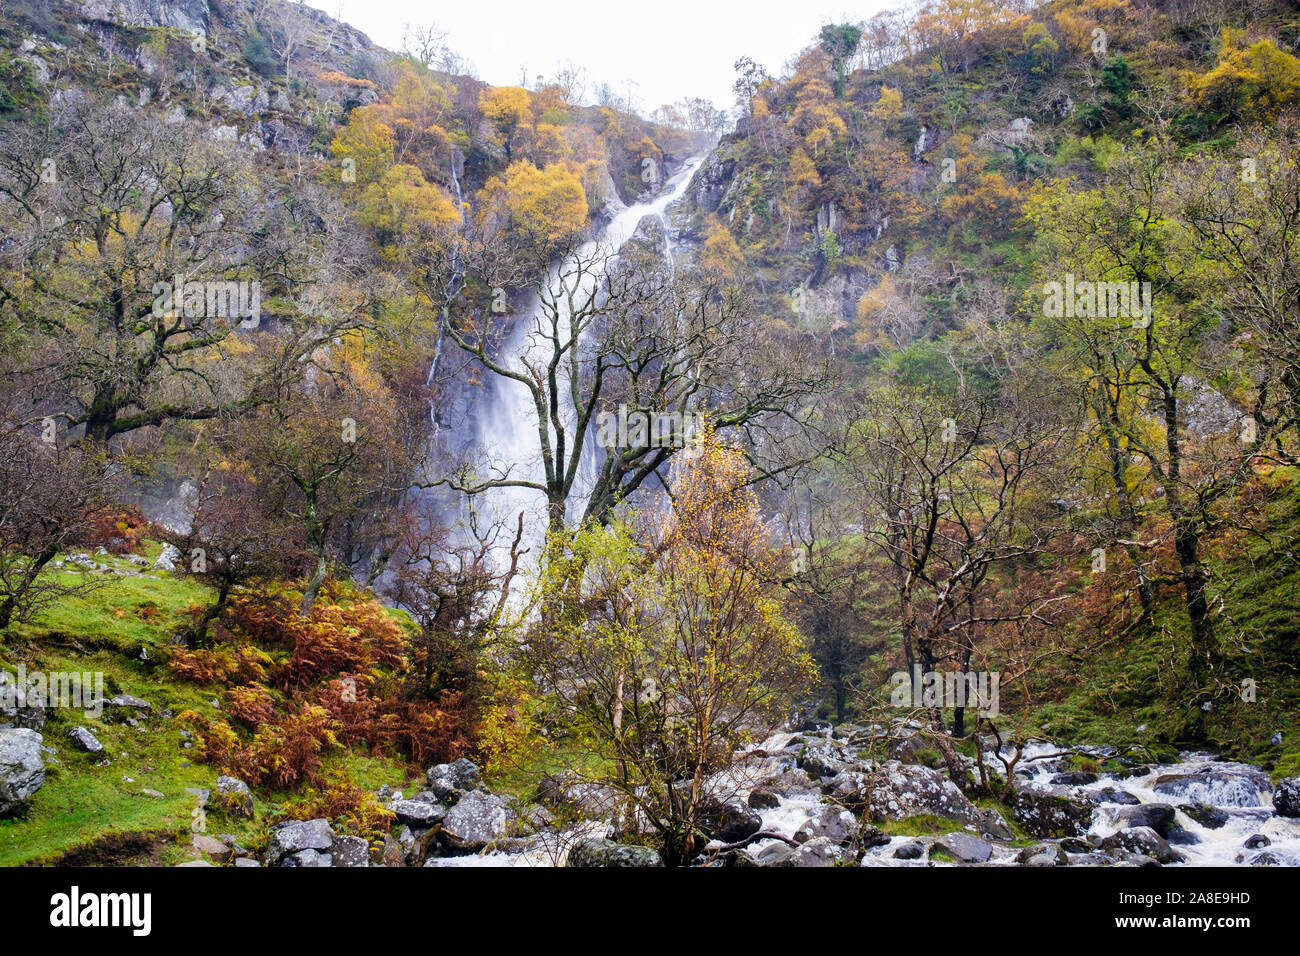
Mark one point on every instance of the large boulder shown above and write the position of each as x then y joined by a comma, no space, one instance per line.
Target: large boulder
1051,813
22,771
895,791
449,780
728,820
1286,798
476,820
764,798
592,852
1212,818
291,839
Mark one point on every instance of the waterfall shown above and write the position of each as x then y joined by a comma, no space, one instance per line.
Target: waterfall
457,170
508,425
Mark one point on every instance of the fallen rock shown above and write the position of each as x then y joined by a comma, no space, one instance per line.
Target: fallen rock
594,853
313,858
764,798
1257,841
22,771
1075,778
568,791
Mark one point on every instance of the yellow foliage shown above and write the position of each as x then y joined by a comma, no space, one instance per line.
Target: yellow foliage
367,141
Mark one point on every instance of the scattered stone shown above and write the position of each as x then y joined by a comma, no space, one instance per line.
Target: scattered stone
22,771
85,741
17,708
245,862
152,793
1257,841
764,798
593,852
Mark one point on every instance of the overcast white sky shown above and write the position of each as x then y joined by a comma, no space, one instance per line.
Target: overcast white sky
671,48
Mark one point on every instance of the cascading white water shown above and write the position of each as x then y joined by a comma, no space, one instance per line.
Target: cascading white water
508,426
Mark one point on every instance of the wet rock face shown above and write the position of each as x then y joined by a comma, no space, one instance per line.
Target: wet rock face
22,771
1143,841
1244,787
729,821
1286,798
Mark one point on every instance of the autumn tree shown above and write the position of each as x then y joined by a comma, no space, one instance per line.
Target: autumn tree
50,496
680,651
